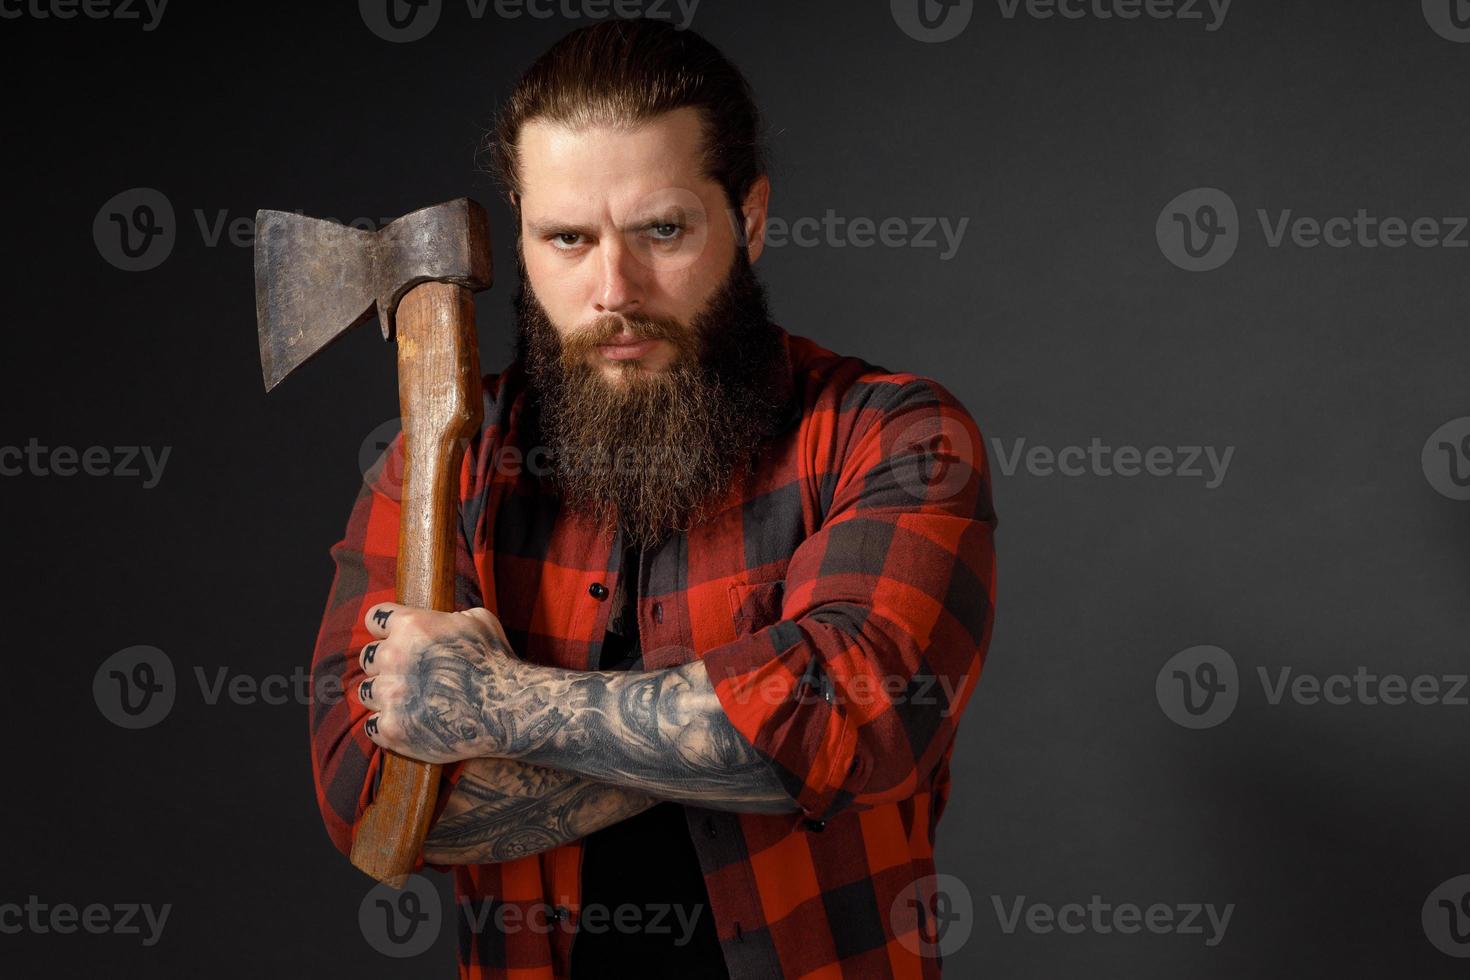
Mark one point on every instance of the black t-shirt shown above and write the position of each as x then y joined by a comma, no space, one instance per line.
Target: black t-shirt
647,862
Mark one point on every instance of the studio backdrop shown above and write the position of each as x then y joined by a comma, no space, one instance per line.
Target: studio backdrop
1197,268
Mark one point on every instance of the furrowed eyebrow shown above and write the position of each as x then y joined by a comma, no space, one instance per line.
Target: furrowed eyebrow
680,216
668,216
542,229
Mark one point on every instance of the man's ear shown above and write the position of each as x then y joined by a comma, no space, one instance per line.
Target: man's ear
753,216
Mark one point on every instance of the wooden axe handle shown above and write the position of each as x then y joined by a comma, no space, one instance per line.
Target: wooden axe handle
439,397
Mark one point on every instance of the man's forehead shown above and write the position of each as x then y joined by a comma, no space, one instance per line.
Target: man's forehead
565,166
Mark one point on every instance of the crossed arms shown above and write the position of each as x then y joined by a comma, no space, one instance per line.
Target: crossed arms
552,755
896,585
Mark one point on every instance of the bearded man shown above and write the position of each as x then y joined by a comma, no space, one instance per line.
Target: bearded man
743,585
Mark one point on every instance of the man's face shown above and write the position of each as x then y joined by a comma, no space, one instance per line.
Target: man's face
624,240
654,367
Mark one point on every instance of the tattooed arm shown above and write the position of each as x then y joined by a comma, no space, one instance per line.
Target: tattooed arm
661,732
502,809
443,687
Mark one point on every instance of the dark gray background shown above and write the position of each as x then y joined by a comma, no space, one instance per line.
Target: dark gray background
1059,320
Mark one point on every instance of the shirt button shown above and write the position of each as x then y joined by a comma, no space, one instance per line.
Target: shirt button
598,591
658,612
815,826
560,914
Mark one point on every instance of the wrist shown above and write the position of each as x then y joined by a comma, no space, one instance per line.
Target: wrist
526,713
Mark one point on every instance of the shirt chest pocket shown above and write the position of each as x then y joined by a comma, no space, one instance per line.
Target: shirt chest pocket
755,605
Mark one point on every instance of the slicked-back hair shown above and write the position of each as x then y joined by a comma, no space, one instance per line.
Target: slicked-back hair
620,73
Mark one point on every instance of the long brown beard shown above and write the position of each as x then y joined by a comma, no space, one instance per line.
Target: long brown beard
653,452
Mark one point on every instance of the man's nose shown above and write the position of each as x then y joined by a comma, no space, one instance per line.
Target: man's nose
620,285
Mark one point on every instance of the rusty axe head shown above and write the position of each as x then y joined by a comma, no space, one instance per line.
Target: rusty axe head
315,279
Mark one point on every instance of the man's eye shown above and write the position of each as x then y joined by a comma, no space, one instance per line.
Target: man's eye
566,239
666,232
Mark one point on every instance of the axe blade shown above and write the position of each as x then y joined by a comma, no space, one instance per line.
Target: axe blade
316,279
313,283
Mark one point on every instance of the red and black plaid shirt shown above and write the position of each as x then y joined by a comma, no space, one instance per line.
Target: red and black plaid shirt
842,604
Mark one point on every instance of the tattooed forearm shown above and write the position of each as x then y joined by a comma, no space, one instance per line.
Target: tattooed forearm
661,732
444,687
502,809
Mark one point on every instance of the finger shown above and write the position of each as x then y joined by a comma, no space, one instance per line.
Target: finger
378,693
380,617
383,728
371,658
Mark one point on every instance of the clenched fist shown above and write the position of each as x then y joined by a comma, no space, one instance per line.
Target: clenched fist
442,686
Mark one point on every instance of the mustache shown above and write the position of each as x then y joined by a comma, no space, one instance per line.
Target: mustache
605,329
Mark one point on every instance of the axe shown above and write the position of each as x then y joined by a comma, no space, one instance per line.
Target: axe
314,281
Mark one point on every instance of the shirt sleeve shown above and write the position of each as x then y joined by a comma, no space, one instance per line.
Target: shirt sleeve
344,760
855,694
